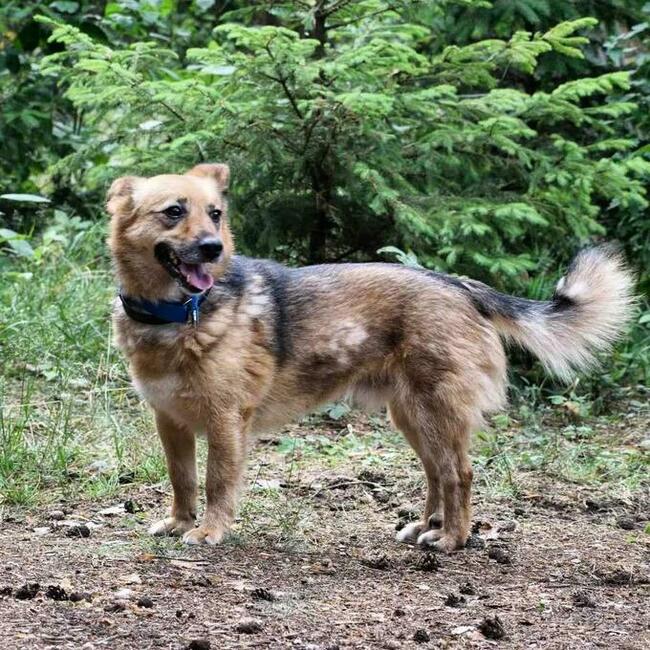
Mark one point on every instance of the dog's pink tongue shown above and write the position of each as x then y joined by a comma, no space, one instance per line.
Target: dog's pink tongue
197,276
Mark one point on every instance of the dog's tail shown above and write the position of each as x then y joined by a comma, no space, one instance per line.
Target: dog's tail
591,306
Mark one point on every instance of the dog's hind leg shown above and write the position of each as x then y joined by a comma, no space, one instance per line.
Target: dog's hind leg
451,458
432,516
441,440
180,450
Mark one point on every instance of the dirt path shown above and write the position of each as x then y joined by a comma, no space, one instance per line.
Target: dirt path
313,565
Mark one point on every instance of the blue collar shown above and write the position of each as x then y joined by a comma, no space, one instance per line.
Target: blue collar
164,312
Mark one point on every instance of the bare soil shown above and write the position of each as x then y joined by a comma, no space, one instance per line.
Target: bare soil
313,564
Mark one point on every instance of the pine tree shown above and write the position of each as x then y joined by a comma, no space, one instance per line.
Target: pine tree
347,131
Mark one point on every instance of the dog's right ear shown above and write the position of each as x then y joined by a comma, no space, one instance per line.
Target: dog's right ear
218,172
120,195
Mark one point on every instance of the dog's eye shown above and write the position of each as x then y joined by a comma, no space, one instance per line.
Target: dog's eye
215,214
174,212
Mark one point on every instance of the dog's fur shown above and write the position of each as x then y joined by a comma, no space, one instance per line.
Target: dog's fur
275,342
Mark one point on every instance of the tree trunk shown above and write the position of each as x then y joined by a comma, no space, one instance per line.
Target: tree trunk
321,181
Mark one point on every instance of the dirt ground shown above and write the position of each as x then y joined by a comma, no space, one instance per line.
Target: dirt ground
313,565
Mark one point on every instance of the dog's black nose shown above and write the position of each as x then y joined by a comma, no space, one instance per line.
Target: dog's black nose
210,248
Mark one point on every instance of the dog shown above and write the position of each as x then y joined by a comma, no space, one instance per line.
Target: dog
224,345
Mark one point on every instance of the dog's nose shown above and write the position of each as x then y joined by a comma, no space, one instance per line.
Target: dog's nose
210,248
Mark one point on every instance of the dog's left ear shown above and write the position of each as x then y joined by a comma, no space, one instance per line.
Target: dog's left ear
219,172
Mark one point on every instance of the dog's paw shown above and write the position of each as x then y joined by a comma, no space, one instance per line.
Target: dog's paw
440,541
429,537
204,535
171,526
409,533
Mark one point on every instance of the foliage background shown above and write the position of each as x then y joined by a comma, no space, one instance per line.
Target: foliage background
490,139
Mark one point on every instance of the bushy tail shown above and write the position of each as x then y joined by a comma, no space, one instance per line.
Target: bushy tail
591,307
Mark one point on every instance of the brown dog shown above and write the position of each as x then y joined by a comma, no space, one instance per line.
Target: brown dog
224,345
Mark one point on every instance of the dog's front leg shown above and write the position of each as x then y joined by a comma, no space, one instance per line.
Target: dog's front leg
226,459
180,450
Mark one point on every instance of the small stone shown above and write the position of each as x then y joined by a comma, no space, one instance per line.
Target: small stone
582,599
467,588
126,478
453,600
78,596
249,626
56,515
131,506
27,591
99,466
507,526
145,601
475,542
78,530
421,636
626,523
499,555
262,594
591,505
199,644
492,628
55,592
115,607
123,594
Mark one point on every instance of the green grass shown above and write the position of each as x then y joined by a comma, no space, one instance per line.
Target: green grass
69,419
70,423
590,451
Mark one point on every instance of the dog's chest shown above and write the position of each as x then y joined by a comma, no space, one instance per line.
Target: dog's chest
171,394
161,392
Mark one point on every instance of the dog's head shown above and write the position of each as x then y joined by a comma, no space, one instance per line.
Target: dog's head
169,233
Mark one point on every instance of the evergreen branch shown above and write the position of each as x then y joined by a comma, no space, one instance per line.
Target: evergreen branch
171,109
332,9
345,23
283,82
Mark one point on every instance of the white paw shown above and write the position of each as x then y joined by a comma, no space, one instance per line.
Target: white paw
430,537
210,535
409,533
171,526
440,541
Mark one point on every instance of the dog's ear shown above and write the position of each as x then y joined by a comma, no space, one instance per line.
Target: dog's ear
219,172
120,194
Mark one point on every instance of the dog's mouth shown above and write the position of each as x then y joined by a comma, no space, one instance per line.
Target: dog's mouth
192,277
